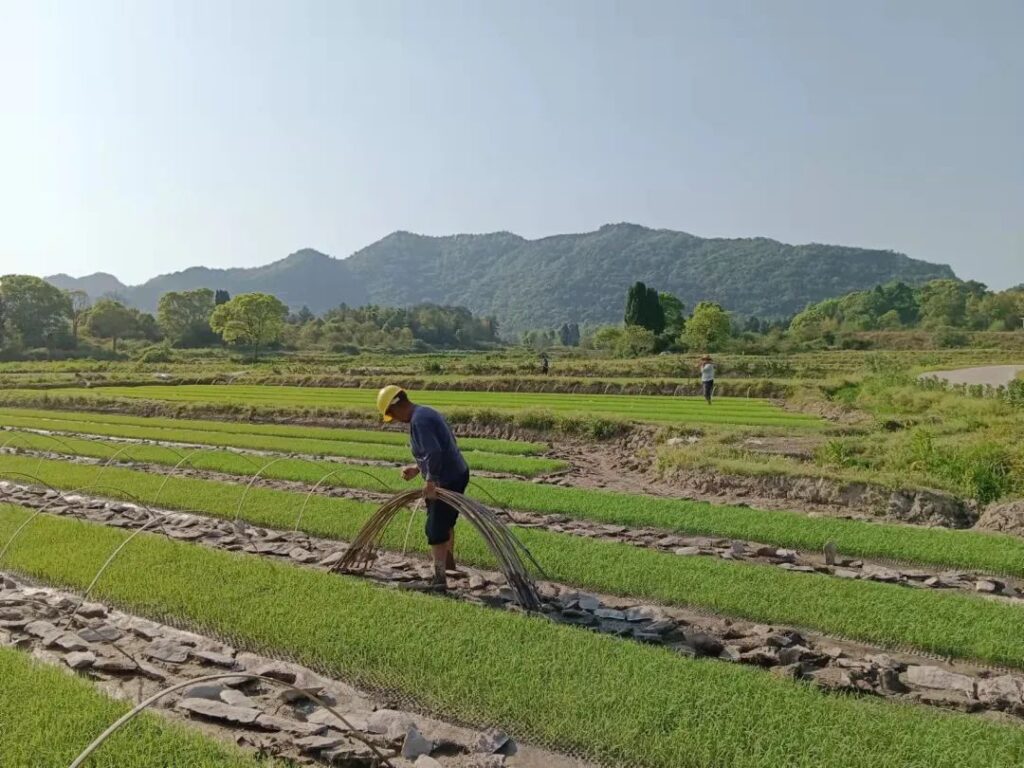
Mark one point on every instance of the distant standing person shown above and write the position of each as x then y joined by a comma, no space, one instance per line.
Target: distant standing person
440,461
545,364
707,377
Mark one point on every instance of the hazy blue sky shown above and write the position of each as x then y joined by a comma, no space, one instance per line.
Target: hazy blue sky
144,137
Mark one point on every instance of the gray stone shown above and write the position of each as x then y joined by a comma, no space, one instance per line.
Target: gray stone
65,641
390,723
642,613
220,711
610,614
492,741
830,551
166,650
40,629
214,658
92,611
704,644
210,691
687,551
80,660
846,573
235,698
764,656
286,724
416,744
936,678
880,573
105,633
425,761
1003,690
117,665
987,585
319,743
275,671
588,602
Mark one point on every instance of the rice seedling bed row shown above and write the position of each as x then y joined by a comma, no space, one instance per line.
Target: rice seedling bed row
654,408
47,717
957,625
34,418
527,466
983,551
623,702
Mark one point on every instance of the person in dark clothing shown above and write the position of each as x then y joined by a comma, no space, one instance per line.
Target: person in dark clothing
545,364
440,462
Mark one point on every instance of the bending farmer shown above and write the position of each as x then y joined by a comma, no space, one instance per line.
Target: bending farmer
440,462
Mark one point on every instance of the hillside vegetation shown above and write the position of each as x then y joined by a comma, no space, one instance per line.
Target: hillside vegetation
573,277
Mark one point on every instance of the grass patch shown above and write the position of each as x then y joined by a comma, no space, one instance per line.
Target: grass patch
990,552
652,408
889,615
40,419
527,466
622,702
48,716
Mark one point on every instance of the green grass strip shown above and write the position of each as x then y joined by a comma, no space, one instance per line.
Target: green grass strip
48,716
25,417
654,408
951,624
990,552
626,703
527,466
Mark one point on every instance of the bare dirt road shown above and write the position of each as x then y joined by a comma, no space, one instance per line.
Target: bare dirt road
993,375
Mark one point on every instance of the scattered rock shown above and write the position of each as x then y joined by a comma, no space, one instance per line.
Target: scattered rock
425,761
166,650
416,744
940,679
80,659
392,724
217,710
491,741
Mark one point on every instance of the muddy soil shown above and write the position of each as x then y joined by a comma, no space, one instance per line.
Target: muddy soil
831,663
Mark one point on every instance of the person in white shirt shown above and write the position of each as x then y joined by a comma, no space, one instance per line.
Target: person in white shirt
707,377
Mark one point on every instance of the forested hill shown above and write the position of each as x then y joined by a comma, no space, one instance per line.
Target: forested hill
577,277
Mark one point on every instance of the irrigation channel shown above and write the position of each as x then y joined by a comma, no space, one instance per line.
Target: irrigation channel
833,664
267,705
828,562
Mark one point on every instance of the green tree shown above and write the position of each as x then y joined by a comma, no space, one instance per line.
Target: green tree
221,297
943,304
251,319
80,303
184,317
569,335
37,313
707,328
674,314
636,341
109,319
643,308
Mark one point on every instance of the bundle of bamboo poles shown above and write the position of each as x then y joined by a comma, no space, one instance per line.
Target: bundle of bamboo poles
505,547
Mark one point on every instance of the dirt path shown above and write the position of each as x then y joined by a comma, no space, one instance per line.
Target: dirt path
992,375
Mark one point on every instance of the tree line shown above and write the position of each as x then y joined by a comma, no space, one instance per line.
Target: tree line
35,315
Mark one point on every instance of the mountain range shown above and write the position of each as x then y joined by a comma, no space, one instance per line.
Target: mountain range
542,283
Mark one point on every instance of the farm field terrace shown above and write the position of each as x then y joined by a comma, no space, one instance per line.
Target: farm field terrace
950,624
991,552
649,408
527,466
622,702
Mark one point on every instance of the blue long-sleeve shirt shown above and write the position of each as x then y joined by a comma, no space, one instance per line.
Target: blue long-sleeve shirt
434,447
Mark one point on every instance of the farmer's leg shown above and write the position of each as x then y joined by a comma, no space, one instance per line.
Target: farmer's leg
449,562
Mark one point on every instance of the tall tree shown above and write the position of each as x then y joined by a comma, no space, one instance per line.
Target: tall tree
708,327
221,297
184,317
674,313
251,319
80,303
109,319
643,308
37,312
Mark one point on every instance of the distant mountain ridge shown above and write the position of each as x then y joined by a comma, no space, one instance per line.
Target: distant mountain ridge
551,280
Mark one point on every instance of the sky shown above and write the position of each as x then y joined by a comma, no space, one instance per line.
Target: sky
141,137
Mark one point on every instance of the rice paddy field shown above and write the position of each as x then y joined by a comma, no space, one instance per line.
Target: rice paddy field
787,637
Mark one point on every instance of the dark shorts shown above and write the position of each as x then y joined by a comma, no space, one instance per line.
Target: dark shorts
441,517
709,387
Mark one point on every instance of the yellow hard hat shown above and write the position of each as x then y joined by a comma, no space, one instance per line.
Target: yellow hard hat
385,399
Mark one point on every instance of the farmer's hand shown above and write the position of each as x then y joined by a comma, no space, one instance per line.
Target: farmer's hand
430,490
408,473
